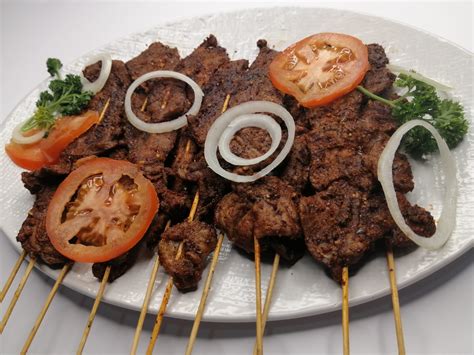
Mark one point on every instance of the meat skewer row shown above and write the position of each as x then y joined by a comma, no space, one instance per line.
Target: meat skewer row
344,143
34,248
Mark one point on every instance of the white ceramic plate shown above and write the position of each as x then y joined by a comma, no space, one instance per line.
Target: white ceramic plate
304,289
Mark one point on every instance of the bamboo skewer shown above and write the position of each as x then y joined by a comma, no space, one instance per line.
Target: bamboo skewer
12,275
146,301
17,294
43,311
98,298
169,284
345,310
395,300
258,297
268,297
205,292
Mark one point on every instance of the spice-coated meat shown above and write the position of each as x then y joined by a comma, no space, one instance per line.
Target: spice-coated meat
221,84
342,223
199,240
266,210
32,234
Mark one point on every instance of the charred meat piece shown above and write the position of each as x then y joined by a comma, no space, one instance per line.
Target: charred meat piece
106,134
221,84
342,223
199,240
33,236
156,57
296,170
119,265
255,83
267,210
379,79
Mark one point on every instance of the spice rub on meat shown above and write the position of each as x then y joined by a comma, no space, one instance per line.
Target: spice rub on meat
266,210
32,235
168,99
199,240
347,213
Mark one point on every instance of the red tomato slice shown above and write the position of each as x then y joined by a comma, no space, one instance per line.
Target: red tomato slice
65,130
26,156
320,68
101,210
47,151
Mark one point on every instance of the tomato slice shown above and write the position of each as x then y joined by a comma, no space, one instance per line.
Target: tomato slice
65,130
101,210
26,156
47,151
320,68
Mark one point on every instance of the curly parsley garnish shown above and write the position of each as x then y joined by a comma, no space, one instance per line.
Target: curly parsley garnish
64,97
422,102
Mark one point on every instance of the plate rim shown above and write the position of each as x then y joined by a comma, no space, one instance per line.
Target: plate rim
282,315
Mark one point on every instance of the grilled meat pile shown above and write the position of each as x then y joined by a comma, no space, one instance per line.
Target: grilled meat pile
324,198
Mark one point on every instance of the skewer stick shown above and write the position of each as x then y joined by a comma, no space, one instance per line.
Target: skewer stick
13,273
205,292
17,294
207,286
43,311
104,109
395,300
258,298
345,310
268,297
98,298
146,301
169,284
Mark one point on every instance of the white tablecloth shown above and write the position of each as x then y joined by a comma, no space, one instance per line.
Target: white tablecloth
437,312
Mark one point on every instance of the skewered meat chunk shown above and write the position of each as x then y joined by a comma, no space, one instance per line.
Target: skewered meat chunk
32,234
156,57
266,209
342,223
379,78
221,84
199,240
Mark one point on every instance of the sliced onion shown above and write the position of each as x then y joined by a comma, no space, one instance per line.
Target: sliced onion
446,221
18,137
244,115
250,120
105,69
168,126
419,77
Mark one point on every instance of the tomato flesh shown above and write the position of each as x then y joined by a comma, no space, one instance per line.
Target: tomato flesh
26,156
101,210
320,68
48,150
65,130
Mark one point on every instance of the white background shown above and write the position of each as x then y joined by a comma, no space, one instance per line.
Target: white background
437,312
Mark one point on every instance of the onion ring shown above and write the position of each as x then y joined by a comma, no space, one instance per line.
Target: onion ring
446,222
98,84
168,126
18,137
244,115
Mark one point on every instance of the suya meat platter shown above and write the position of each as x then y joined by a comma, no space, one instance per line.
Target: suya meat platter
303,289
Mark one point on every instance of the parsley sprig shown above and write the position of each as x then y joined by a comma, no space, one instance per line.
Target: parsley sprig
422,102
64,97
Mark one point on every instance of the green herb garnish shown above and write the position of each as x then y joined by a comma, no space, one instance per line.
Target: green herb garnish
422,102
65,97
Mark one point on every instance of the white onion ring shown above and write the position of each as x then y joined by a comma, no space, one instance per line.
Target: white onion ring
249,119
18,137
446,221
168,126
419,77
105,69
